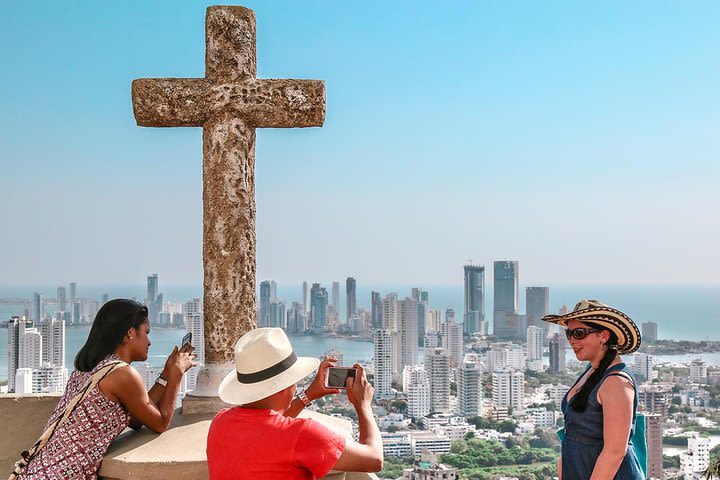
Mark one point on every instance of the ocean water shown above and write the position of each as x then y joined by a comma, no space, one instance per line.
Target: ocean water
682,313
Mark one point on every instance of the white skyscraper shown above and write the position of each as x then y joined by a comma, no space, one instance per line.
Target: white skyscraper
508,389
452,340
697,457
49,379
469,393
416,386
534,343
437,364
383,364
698,371
24,348
408,329
497,357
389,321
52,331
22,381
517,358
194,323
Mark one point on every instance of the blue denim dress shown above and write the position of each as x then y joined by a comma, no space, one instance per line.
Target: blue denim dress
583,439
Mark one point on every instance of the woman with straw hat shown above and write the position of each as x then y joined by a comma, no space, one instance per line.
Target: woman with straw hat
600,408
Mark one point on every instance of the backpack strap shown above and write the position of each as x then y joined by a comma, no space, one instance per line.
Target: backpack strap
28,455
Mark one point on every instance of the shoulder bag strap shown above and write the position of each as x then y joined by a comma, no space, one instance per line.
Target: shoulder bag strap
28,455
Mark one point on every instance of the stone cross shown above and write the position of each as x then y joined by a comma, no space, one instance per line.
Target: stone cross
229,103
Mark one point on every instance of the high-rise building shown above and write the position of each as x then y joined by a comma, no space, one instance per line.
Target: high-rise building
697,457
505,298
104,299
534,343
264,310
351,299
557,353
537,305
389,320
52,331
508,389
408,330
154,299
698,371
76,313
474,312
336,297
654,439
469,389
73,292
382,359
649,332
194,323
375,309
61,299
305,294
296,318
452,340
643,366
416,386
318,307
654,398
449,315
152,286
37,310
276,315
24,348
437,364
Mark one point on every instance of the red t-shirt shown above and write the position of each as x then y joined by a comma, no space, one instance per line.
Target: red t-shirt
247,443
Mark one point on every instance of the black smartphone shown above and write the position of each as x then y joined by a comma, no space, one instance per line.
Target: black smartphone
186,339
335,376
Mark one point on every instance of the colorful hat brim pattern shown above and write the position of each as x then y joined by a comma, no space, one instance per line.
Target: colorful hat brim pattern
621,325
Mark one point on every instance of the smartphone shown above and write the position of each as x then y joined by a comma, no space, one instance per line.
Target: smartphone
335,376
186,339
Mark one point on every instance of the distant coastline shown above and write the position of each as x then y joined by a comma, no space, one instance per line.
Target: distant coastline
681,347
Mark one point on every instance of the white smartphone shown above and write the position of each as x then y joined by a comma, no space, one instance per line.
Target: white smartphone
335,376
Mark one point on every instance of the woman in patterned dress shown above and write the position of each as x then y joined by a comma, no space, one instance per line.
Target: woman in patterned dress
120,332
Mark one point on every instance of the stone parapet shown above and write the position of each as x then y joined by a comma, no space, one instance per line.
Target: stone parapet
22,421
178,453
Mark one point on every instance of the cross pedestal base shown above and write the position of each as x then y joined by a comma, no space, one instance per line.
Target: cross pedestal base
204,399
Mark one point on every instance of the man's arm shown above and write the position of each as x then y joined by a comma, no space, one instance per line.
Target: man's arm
367,455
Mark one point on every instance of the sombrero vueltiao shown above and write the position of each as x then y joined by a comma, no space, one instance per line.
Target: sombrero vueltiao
621,325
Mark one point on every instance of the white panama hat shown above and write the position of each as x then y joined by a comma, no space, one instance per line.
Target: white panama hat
264,364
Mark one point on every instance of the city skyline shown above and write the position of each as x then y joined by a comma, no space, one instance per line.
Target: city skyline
512,129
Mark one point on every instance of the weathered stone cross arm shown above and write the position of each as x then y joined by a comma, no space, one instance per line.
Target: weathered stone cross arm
262,103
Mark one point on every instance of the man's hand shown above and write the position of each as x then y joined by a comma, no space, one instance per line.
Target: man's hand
317,388
359,391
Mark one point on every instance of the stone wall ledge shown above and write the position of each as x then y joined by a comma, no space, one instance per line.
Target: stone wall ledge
178,453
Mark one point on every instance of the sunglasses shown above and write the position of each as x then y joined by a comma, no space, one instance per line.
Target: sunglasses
580,333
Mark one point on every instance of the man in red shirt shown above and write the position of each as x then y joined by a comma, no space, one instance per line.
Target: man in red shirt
261,439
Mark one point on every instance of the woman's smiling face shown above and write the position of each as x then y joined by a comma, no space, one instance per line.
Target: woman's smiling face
590,347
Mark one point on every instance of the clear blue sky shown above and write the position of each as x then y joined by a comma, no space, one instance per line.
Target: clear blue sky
581,139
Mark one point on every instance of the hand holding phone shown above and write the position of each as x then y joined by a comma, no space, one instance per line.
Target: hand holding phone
335,376
186,340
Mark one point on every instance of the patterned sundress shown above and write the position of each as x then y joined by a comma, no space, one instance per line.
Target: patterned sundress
78,446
